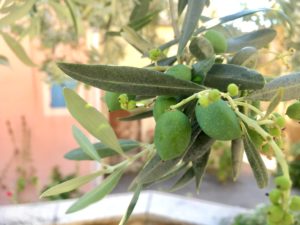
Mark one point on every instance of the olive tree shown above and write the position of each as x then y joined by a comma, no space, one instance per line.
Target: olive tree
208,91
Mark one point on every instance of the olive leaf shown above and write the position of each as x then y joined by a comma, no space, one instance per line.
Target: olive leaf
16,13
221,75
137,41
155,169
86,146
143,21
132,204
76,17
99,192
17,49
131,80
4,60
70,185
171,173
199,167
245,57
140,9
61,11
258,167
102,150
289,84
258,39
237,152
91,119
181,6
183,180
201,68
274,102
217,21
138,116
198,147
194,10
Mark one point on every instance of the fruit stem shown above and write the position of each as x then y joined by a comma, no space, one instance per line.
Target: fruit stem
278,152
265,122
184,101
249,106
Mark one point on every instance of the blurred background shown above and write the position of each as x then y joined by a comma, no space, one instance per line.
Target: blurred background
35,126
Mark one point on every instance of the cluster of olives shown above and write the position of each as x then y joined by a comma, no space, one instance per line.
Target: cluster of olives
215,117
280,212
274,128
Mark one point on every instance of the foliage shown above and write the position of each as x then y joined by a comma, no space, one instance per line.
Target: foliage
210,93
21,161
56,178
257,217
57,24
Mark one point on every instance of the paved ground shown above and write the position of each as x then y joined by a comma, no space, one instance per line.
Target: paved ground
244,192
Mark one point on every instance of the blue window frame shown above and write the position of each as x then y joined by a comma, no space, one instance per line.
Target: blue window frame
56,93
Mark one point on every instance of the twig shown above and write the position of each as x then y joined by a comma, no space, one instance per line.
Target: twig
174,19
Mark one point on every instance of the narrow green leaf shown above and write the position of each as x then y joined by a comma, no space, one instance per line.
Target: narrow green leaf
201,68
217,21
61,11
183,180
98,193
17,49
221,75
274,102
199,167
17,13
102,150
132,204
155,169
289,84
258,167
4,60
199,147
131,80
138,116
140,10
70,185
194,10
246,57
237,152
137,41
171,173
140,23
91,119
85,144
257,39
76,17
181,6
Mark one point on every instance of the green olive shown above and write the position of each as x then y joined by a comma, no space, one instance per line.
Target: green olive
172,134
217,40
218,121
162,104
180,71
283,183
293,111
112,101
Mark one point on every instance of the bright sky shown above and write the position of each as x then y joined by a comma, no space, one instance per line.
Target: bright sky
227,7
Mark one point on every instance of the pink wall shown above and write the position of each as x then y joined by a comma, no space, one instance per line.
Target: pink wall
21,94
